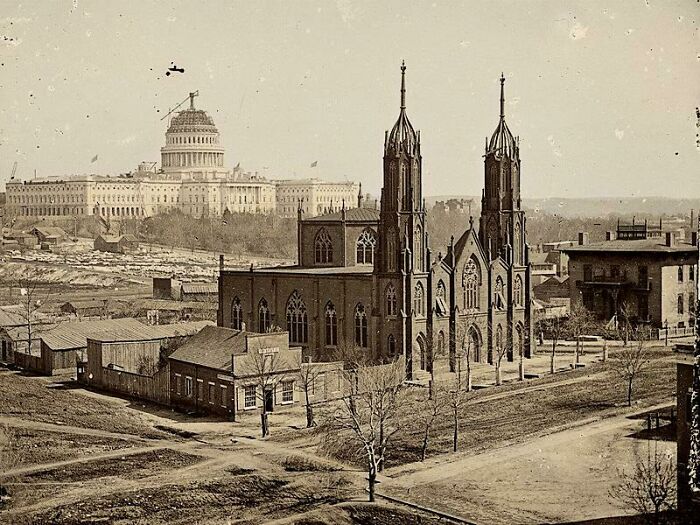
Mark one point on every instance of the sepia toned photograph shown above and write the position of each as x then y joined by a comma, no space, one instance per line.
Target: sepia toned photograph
349,262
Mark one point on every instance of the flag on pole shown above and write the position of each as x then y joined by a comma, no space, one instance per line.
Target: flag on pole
94,159
314,164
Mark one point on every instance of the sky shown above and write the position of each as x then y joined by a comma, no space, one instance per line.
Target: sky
602,94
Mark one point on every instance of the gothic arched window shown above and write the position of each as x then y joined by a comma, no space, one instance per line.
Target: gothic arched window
365,247
263,316
471,279
360,326
391,308
331,325
498,298
441,299
499,338
236,314
323,247
297,320
391,250
518,291
418,303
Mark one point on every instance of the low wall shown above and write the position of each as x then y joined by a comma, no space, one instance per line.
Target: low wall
154,388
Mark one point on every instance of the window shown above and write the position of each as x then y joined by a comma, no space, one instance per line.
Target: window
188,386
691,303
365,247
263,317
614,271
297,320
390,300
642,276
287,391
498,300
680,274
211,393
200,389
360,326
391,345
518,291
680,304
441,299
471,278
178,381
224,393
323,247
588,272
249,397
643,307
236,314
691,273
418,303
331,325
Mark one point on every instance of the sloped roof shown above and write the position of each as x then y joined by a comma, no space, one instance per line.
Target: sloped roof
14,316
175,306
49,231
212,347
351,215
657,245
180,329
117,238
86,303
74,334
207,288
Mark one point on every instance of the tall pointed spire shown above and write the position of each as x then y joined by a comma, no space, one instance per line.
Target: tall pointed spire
403,84
503,112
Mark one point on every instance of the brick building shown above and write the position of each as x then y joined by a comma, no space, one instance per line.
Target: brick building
651,280
367,279
684,384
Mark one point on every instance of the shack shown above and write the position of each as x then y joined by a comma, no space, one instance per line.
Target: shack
202,292
219,371
51,235
116,243
86,309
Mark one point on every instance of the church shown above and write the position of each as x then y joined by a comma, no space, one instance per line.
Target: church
366,279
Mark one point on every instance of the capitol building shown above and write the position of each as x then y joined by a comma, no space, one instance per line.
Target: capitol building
192,178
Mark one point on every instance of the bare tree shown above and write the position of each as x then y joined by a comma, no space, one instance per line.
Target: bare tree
267,371
428,411
306,377
651,488
457,397
630,362
463,347
31,300
580,320
553,326
369,412
500,353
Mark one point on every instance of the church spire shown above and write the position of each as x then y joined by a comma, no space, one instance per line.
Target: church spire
403,85
503,99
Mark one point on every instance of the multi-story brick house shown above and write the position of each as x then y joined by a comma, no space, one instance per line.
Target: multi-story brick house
367,279
649,280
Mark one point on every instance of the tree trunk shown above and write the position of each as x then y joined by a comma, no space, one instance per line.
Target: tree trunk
371,480
264,424
521,369
380,463
552,364
469,379
629,392
424,447
578,342
430,386
498,373
455,425
309,416
605,351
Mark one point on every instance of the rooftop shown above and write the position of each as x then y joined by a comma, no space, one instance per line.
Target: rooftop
74,334
653,245
301,270
351,215
212,347
206,288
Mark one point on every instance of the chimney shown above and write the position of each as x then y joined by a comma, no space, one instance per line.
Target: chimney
609,236
670,239
582,238
694,238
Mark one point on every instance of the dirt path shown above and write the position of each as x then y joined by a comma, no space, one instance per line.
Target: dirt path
444,466
67,429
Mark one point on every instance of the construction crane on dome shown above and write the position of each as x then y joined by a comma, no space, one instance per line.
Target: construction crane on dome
190,97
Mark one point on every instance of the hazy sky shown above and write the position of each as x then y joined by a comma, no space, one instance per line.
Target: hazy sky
602,94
